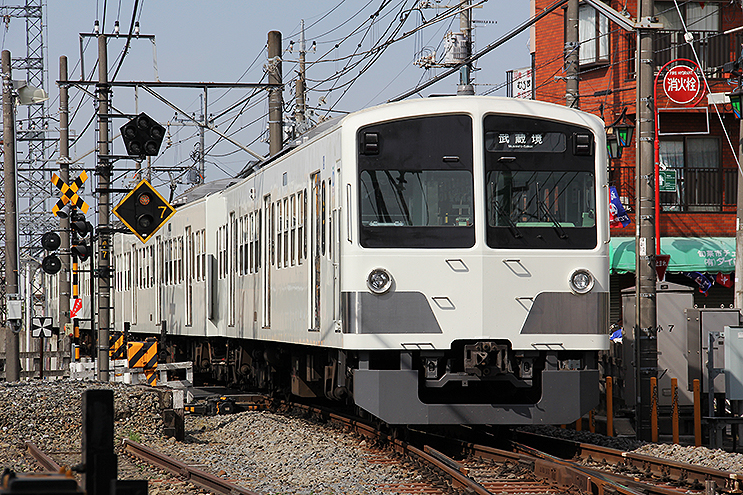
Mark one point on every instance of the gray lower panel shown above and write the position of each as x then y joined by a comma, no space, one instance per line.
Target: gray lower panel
392,395
393,312
565,312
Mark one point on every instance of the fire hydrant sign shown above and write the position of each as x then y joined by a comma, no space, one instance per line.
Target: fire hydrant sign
681,84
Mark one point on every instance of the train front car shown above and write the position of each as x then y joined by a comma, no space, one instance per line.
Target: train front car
474,261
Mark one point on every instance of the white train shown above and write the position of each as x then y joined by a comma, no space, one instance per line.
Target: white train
437,261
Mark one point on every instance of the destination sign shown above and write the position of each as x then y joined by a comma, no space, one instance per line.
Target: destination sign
534,142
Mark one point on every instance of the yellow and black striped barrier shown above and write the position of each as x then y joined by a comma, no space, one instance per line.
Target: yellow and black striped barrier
144,355
117,346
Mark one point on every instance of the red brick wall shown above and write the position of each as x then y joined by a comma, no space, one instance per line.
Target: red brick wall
616,77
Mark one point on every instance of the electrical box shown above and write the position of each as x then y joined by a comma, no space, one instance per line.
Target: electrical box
700,323
733,362
671,302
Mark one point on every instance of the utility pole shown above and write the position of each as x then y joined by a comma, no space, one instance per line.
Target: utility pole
202,163
64,221
571,56
739,224
646,345
275,94
465,72
12,326
103,170
300,113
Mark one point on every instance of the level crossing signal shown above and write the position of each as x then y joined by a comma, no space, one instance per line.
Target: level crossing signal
69,193
144,211
51,263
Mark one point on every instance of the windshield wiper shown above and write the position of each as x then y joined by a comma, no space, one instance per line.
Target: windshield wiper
511,226
560,231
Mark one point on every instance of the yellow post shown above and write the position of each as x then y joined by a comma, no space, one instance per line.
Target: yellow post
675,418
654,408
609,407
697,414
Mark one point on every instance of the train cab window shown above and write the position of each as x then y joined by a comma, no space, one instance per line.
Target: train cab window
417,189
540,189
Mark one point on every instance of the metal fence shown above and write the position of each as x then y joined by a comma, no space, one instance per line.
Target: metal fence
698,189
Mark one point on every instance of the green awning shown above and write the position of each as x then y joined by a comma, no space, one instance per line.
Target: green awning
688,254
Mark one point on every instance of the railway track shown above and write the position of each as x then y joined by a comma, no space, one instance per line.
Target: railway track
633,466
448,466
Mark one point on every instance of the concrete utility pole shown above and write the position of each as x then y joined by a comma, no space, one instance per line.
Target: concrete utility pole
275,95
571,56
646,345
64,223
300,113
103,170
739,226
12,327
465,72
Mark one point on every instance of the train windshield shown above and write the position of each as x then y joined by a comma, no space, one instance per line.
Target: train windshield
541,199
416,185
399,198
540,184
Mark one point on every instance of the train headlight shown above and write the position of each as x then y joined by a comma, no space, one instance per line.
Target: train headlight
379,281
581,281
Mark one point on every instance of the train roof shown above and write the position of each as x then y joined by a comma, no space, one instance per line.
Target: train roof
415,106
203,190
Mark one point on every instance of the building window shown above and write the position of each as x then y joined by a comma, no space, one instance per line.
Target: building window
698,16
701,182
593,35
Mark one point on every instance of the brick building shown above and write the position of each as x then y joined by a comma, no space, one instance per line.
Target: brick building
698,141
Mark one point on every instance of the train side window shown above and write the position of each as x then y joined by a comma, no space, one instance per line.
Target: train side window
322,219
181,258
197,247
293,234
203,254
240,247
271,231
303,219
225,250
173,272
285,228
178,246
279,229
246,245
258,234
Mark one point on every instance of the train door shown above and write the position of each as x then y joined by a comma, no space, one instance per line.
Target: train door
189,262
336,243
316,248
268,252
231,263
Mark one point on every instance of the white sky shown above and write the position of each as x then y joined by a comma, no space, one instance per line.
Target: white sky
224,41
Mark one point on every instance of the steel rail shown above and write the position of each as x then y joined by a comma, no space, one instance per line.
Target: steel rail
196,476
648,465
42,458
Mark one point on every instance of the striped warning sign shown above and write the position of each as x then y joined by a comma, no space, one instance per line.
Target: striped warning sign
117,349
142,354
151,376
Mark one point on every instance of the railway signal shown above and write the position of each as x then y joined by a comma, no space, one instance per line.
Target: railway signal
142,136
79,228
51,263
144,211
